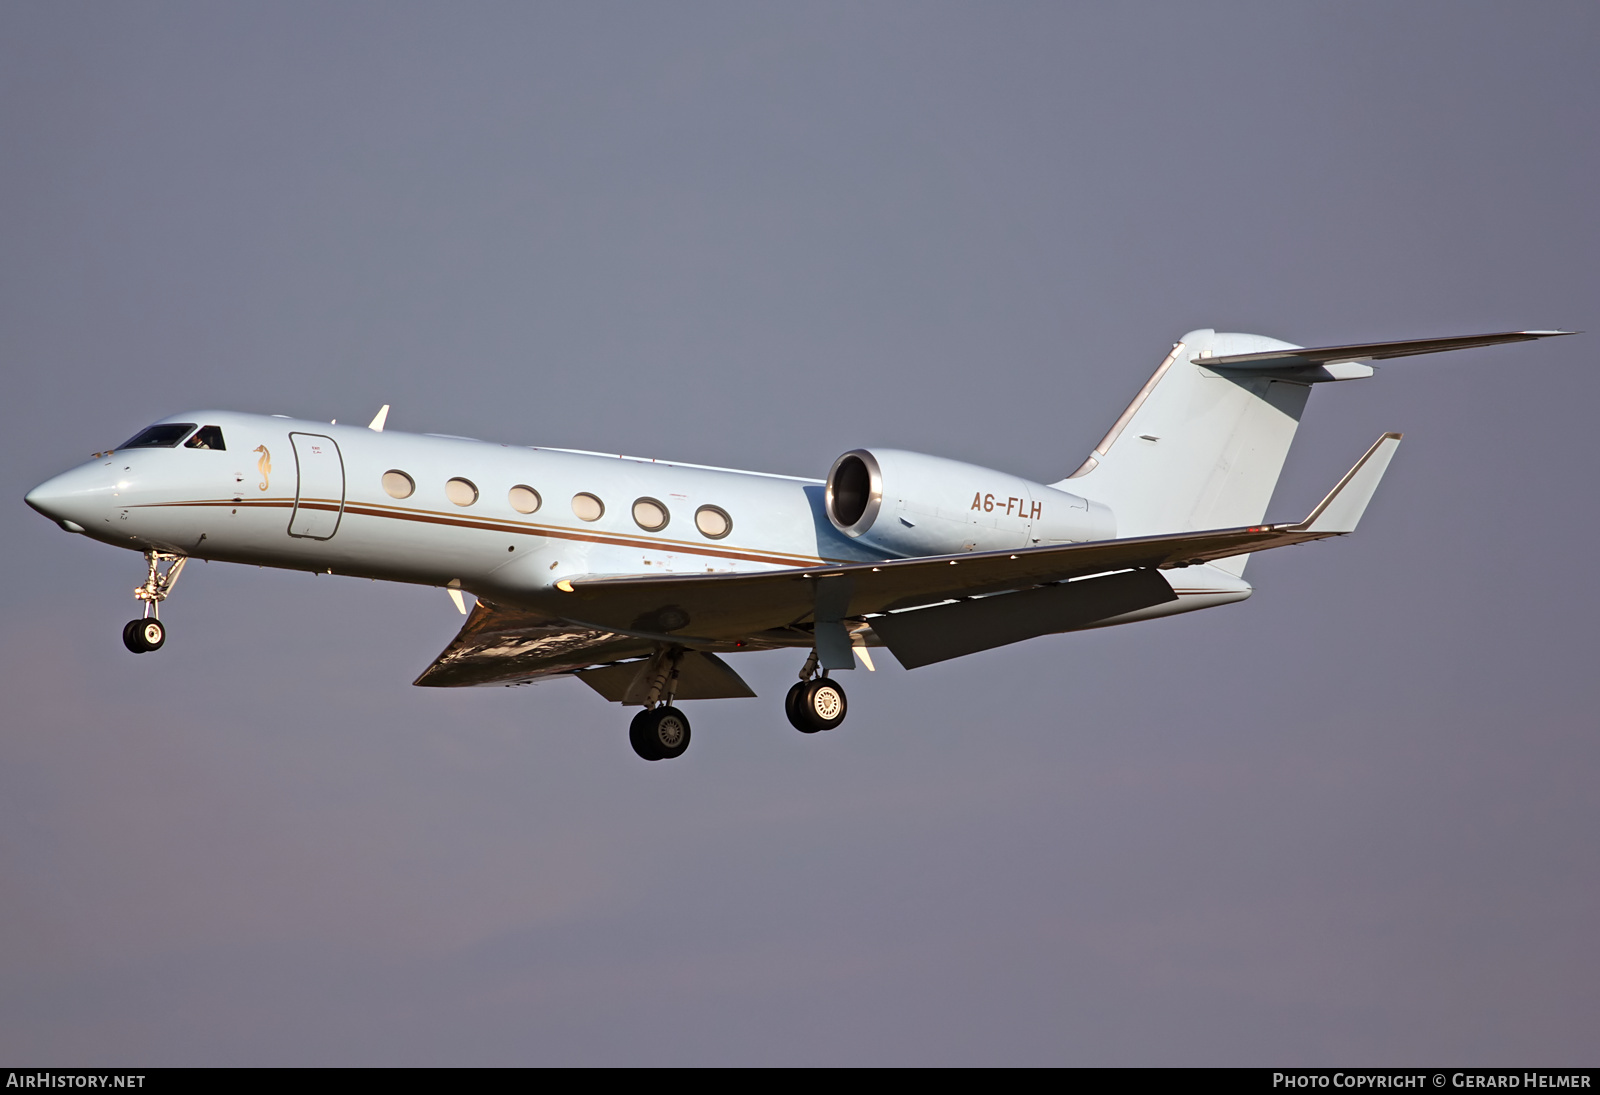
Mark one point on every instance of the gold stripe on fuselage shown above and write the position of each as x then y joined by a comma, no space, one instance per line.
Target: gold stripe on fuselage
485,524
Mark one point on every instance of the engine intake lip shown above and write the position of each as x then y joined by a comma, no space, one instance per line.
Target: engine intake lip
855,492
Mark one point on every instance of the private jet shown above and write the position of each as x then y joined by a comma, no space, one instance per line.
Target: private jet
640,576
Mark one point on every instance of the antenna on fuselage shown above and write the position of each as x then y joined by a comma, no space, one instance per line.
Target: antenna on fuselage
379,419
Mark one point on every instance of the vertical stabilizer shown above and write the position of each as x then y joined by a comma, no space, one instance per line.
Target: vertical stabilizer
1197,448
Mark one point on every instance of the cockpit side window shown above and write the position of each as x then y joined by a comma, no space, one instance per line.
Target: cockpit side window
209,437
164,435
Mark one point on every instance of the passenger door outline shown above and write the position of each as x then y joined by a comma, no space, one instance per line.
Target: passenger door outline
318,466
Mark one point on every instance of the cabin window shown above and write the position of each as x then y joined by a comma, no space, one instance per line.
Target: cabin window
650,515
163,436
713,522
525,499
208,437
397,484
461,491
587,507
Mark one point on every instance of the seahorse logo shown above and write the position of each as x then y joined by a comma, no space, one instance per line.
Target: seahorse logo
265,464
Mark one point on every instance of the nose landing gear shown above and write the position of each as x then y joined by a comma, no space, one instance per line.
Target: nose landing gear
148,633
815,703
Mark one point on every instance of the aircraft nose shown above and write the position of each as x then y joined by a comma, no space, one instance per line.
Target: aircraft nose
68,498
46,498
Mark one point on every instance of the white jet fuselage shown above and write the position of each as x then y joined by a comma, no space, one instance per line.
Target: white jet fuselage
311,496
314,496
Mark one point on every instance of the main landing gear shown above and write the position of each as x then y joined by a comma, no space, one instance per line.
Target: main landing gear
661,731
148,633
816,702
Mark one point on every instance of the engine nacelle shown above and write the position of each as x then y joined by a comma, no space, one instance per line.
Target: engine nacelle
909,504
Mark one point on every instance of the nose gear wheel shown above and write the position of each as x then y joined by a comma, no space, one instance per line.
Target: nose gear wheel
143,636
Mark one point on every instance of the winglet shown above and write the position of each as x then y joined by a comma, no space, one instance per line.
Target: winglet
379,419
1342,509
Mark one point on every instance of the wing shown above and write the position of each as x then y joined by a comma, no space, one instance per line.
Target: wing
713,609
606,621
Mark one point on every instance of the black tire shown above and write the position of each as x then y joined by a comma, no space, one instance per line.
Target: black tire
819,705
130,636
639,736
794,709
661,733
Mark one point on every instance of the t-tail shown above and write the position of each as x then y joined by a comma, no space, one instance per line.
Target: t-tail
1202,444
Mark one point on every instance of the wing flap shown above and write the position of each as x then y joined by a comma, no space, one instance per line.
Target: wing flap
927,635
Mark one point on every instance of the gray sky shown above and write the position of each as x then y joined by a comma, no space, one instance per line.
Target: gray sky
1351,820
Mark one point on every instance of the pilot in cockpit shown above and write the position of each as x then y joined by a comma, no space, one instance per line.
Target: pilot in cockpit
206,437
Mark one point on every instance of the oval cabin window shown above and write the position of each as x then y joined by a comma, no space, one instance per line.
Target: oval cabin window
461,492
397,484
650,515
587,507
713,522
525,499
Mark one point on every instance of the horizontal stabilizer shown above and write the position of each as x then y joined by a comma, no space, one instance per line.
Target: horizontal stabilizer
1341,510
1312,356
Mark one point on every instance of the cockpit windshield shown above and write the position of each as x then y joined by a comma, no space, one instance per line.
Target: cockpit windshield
208,437
164,435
